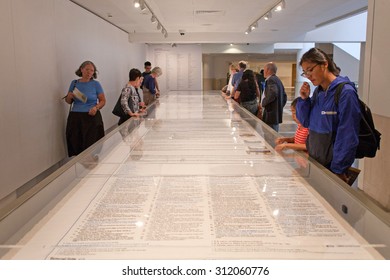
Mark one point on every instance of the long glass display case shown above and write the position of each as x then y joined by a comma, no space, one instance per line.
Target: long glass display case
197,178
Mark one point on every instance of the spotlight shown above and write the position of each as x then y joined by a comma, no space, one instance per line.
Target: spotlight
280,6
253,26
143,6
164,32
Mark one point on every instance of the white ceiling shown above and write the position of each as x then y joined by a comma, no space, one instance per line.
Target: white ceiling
221,21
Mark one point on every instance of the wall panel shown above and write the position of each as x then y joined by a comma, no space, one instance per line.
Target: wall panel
9,140
43,43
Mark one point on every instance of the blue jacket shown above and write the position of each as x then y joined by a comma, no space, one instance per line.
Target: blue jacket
150,84
339,124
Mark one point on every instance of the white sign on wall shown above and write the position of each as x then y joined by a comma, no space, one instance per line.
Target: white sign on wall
181,66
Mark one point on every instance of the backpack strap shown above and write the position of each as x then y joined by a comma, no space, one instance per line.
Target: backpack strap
314,96
339,89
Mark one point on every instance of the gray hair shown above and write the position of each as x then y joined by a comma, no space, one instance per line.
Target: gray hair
272,67
157,71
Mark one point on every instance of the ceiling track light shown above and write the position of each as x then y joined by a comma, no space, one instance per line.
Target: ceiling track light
267,16
144,6
278,6
253,26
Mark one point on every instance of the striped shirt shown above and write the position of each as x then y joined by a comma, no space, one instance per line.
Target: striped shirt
301,134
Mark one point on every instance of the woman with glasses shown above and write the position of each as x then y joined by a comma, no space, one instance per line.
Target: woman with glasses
333,126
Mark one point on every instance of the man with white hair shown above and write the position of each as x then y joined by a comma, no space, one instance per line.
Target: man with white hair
275,97
237,77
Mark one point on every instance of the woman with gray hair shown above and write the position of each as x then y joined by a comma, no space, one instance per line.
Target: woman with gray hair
86,96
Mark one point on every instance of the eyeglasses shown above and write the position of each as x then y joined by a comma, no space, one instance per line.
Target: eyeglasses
308,72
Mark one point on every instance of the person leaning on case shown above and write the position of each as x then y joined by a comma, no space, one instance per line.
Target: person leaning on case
296,142
247,92
85,124
232,70
131,102
236,79
150,86
334,129
148,69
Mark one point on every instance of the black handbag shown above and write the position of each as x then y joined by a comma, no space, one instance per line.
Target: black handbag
118,111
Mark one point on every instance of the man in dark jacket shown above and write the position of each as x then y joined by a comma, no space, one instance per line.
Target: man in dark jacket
274,98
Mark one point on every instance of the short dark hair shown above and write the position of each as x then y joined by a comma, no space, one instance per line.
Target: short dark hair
147,63
134,74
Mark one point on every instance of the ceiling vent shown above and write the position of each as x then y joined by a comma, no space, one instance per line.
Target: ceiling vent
209,13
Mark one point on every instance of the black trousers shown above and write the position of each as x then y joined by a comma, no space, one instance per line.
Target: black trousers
83,130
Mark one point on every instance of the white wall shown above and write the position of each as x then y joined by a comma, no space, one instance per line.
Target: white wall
347,30
181,66
43,43
375,93
377,60
349,64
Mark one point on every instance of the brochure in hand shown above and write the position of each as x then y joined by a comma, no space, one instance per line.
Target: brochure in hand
79,95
